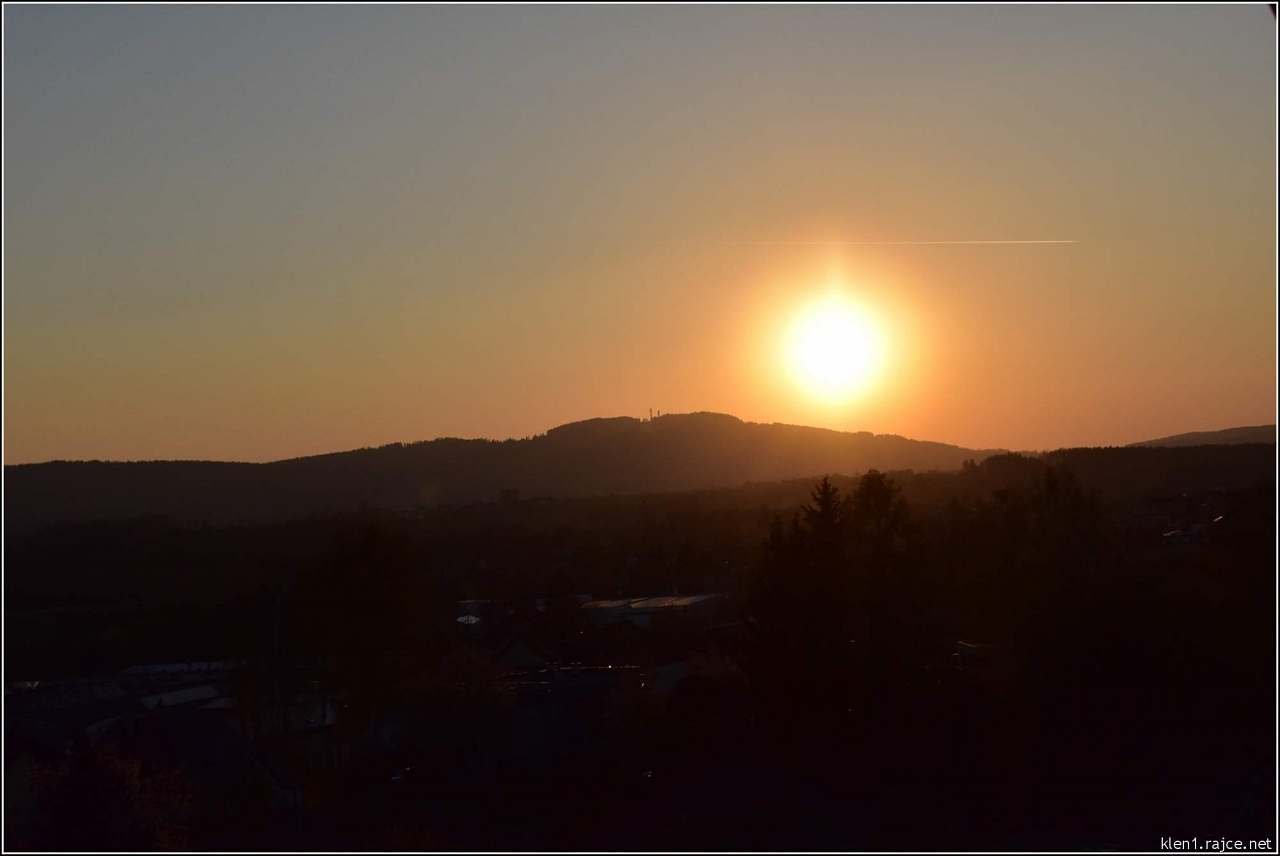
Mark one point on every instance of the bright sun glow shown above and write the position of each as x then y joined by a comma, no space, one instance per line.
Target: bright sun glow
834,350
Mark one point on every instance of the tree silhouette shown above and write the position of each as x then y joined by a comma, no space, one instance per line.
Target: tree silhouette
877,512
878,518
802,601
825,519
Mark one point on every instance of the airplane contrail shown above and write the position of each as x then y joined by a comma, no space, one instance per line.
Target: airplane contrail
898,243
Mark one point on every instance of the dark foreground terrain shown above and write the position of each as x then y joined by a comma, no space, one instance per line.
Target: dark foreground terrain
1074,651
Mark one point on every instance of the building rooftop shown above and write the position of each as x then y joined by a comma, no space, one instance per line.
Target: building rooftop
658,602
671,601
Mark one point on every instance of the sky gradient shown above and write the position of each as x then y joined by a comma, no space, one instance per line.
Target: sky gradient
248,233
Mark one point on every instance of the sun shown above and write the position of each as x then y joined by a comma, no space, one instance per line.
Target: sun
834,349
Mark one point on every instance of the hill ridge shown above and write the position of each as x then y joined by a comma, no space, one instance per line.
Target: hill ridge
601,456
1223,436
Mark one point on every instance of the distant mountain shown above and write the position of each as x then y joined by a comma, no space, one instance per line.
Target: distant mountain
595,457
1225,437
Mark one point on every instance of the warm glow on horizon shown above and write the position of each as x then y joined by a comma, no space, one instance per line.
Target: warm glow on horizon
232,235
834,349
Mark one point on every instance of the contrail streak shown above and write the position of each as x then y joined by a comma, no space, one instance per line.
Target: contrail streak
897,243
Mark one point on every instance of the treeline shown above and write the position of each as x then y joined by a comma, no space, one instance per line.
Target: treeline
1031,650
97,587
1040,568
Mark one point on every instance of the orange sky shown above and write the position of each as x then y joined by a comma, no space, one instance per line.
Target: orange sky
242,233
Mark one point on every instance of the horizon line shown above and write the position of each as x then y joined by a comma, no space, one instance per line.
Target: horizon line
994,449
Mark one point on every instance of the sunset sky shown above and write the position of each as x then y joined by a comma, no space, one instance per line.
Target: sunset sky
254,233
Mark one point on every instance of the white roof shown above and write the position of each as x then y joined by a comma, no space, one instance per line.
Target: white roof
606,604
203,693
671,601
180,668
